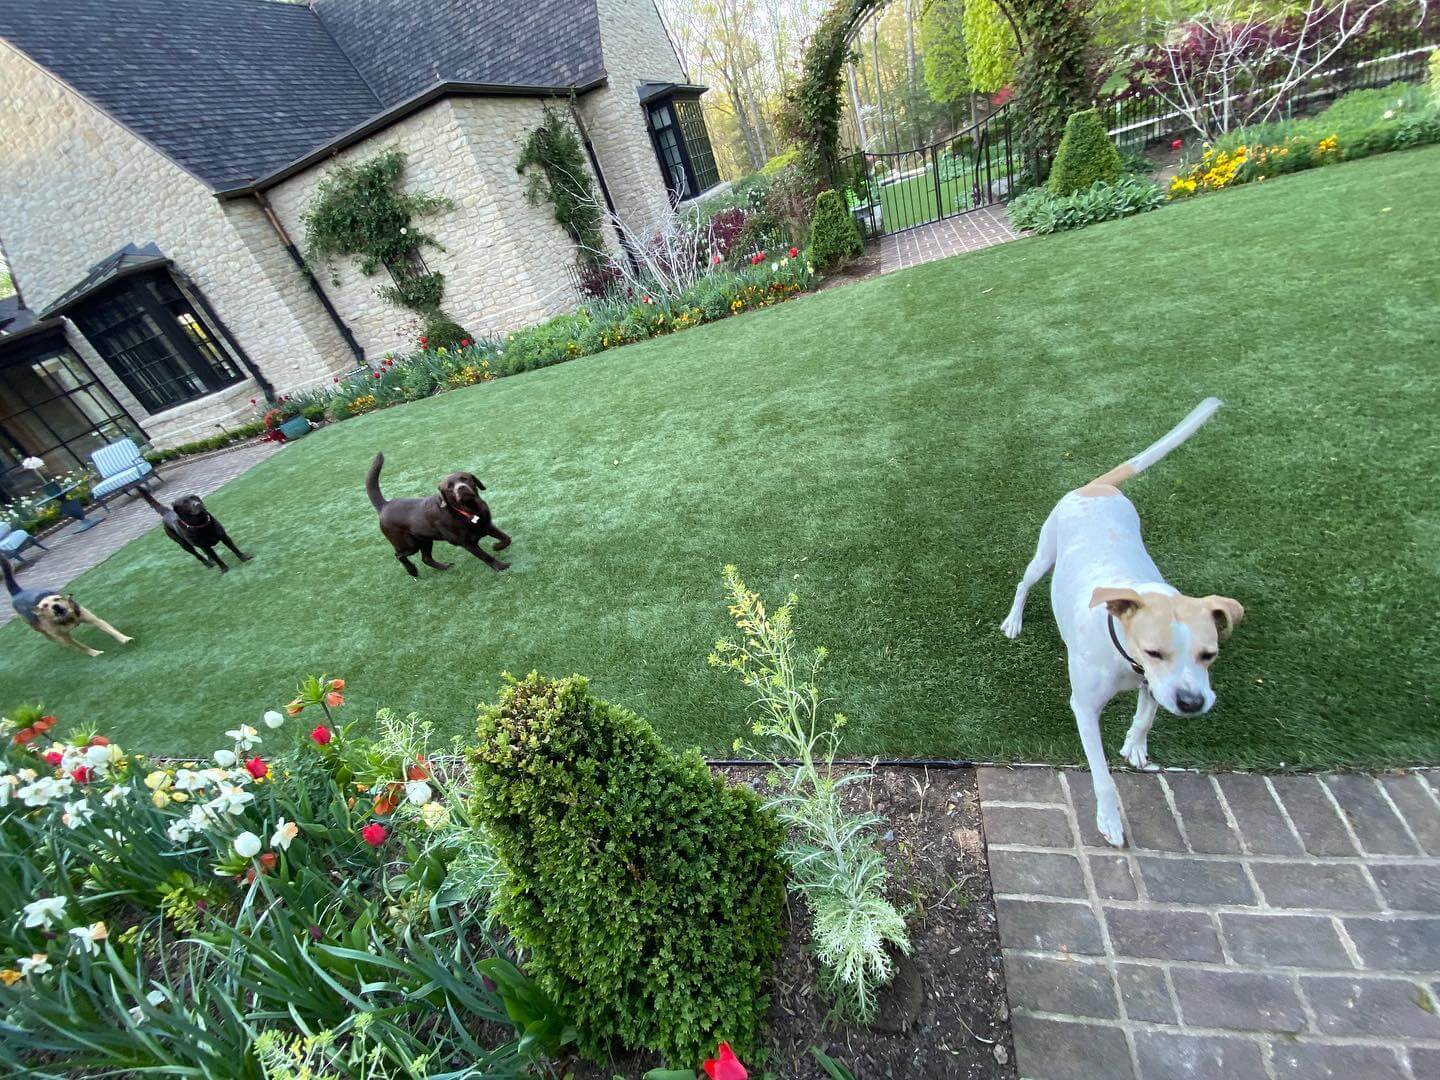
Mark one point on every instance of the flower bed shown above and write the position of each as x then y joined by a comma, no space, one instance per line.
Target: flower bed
1360,124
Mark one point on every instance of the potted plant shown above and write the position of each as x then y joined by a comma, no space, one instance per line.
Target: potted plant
294,428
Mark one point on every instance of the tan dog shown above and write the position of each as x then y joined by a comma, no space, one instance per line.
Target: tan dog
54,615
1124,627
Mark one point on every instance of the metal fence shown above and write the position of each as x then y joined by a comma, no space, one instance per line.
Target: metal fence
976,167
1136,121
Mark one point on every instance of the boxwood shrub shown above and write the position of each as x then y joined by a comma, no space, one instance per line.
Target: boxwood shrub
646,893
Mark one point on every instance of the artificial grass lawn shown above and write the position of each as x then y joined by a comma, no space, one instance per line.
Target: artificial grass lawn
888,450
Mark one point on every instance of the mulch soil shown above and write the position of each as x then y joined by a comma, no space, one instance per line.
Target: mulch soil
944,1016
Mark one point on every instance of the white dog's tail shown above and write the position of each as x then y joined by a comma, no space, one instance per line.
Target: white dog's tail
1157,450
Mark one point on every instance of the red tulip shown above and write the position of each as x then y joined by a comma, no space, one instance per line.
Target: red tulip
375,374
724,1065
794,252
257,768
464,341
422,341
337,378
82,774
321,734
53,757
374,834
1177,144
253,401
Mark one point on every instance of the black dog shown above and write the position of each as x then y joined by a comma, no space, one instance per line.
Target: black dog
195,529
457,515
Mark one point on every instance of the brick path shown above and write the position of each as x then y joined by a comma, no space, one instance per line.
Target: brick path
1268,928
969,232
72,553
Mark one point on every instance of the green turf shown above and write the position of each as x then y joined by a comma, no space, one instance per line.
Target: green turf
888,450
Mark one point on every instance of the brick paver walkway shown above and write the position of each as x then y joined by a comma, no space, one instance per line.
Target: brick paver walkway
1274,928
969,232
72,553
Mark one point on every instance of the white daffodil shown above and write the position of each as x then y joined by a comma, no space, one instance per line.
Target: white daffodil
247,845
44,913
188,780
77,813
225,758
774,266
115,794
154,997
26,775
1389,114
285,832
418,792
44,791
8,784
89,937
180,831
273,719
98,757
245,737
115,835
230,799
36,964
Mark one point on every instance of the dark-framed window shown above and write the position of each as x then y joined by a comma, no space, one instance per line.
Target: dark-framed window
682,145
52,407
152,337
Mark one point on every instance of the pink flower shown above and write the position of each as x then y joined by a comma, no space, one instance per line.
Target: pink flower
725,1065
375,374
257,768
321,734
374,834
464,341
714,260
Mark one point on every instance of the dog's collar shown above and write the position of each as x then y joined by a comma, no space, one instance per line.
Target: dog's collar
1115,640
473,519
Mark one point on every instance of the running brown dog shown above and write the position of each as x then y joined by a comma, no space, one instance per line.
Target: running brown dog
456,514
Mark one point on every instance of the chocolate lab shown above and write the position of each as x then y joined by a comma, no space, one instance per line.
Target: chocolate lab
457,515
195,529
54,615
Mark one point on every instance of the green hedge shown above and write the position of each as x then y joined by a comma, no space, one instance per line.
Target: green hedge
834,236
1086,156
646,893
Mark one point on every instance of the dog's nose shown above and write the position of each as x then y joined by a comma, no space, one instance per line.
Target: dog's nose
1189,703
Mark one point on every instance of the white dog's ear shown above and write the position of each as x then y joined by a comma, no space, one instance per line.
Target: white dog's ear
1227,613
1119,601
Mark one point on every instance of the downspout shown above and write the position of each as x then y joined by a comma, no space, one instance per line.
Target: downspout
265,208
600,177
198,295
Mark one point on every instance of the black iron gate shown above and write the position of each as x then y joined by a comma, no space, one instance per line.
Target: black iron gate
977,167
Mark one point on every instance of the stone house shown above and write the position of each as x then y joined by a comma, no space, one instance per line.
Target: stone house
156,157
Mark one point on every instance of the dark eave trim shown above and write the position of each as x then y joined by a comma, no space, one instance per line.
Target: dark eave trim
672,90
66,302
398,113
35,329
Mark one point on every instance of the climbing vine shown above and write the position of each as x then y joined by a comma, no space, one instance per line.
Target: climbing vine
1053,77
359,211
559,175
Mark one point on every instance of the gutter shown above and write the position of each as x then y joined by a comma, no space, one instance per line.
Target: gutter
265,208
397,113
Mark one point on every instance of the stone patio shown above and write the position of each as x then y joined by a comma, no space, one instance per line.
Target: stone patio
1257,927
72,552
978,229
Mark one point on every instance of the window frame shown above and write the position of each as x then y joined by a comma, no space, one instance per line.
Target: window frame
691,175
195,354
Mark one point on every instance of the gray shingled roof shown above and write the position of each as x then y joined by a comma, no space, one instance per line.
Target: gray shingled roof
235,89
404,46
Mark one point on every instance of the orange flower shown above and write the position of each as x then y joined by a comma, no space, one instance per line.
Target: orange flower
294,708
337,684
418,771
45,723
334,699
387,800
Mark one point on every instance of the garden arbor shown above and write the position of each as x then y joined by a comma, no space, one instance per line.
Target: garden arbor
1052,39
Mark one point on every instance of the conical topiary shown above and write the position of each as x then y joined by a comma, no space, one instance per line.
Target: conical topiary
1086,155
834,236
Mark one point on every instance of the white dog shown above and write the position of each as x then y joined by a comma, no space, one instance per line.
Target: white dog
1124,627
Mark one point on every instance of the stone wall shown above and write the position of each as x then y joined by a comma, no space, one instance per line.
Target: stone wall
637,50
75,187
504,260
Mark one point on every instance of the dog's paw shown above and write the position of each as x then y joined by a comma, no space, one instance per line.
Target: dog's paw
126,640
501,566
1012,624
246,558
1107,820
95,652
1137,753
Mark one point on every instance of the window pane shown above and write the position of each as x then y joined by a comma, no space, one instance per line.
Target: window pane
697,142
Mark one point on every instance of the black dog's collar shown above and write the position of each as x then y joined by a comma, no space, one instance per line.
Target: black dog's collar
1115,640
473,519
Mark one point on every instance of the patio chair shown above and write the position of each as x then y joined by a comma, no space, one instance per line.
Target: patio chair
14,541
122,468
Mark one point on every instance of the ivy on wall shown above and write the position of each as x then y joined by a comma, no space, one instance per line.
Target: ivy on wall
559,175
360,211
